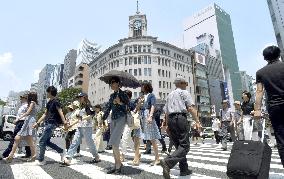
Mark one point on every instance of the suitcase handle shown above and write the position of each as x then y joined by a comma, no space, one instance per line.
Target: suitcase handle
263,128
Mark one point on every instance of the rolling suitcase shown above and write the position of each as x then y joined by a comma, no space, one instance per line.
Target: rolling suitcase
250,159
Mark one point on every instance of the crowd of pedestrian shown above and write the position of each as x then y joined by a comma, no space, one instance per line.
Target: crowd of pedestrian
113,131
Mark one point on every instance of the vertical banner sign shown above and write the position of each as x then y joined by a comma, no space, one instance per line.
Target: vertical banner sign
226,91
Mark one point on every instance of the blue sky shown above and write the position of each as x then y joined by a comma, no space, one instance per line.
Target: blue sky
34,33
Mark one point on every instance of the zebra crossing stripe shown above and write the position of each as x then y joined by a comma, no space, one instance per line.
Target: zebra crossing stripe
277,160
89,170
28,171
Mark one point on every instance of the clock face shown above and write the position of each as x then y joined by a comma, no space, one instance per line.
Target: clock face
137,24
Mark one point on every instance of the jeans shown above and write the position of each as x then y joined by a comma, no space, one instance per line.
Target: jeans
81,132
68,139
18,127
45,141
276,114
179,133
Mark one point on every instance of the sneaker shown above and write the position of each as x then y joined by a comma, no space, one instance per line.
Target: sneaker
164,150
188,172
224,148
77,155
40,163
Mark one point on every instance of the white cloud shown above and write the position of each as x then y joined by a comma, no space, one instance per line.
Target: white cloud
5,59
8,76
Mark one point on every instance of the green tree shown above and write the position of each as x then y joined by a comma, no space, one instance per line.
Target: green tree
2,103
40,113
67,96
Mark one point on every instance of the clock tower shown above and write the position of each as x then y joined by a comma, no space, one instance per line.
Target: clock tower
137,24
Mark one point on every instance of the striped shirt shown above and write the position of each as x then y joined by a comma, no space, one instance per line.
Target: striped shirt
178,101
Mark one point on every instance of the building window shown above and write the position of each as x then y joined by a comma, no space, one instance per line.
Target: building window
160,95
117,63
163,74
159,72
188,79
130,71
164,84
130,60
159,61
135,72
125,61
126,50
135,60
169,74
170,85
149,60
145,59
135,48
130,49
139,60
149,48
163,60
139,48
167,85
160,84
150,71
164,95
140,71
145,72
144,48
166,73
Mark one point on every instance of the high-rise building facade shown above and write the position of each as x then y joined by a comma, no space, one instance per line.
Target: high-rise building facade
276,8
87,51
215,23
144,57
57,77
69,67
34,87
247,82
43,83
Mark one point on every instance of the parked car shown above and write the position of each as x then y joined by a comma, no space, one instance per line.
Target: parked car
7,127
207,133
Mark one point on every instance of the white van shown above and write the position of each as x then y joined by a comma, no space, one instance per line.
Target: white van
7,127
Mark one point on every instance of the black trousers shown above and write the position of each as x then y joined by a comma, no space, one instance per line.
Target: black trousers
217,137
69,138
276,115
179,133
162,140
18,127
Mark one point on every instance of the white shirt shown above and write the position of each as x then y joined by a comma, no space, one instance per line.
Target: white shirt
226,115
23,109
215,124
178,101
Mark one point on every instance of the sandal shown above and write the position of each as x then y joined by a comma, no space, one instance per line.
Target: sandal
155,162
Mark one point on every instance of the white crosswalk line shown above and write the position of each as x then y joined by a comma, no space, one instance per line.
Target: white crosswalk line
89,170
28,171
